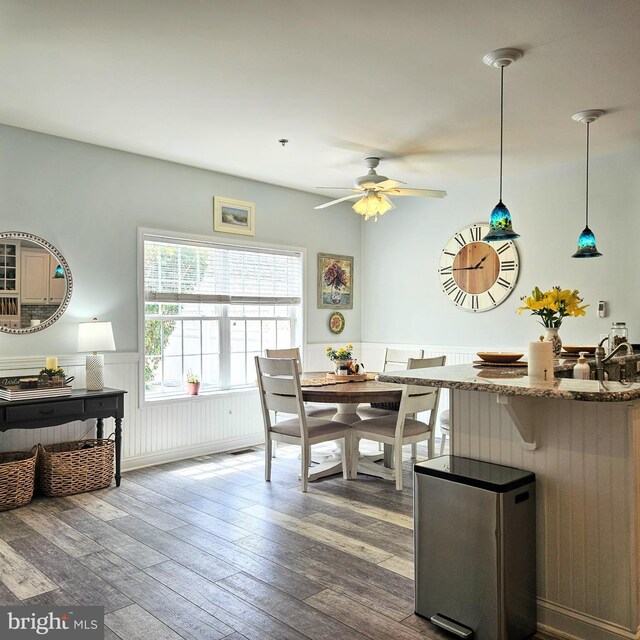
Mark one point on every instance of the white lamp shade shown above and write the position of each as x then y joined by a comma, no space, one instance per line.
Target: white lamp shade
95,336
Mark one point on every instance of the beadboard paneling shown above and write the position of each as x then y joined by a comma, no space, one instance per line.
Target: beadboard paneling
587,504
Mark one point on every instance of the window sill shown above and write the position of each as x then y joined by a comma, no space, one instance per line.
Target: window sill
201,397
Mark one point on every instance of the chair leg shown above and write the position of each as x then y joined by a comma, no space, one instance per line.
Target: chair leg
443,441
355,454
414,450
267,459
274,446
304,468
397,460
347,455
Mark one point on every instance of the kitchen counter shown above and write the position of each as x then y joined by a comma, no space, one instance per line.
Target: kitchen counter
515,381
582,440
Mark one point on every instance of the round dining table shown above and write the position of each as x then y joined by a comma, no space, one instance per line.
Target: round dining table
347,396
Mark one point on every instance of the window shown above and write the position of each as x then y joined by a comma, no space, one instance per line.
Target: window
209,308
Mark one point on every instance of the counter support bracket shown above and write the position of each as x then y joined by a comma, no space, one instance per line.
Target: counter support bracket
521,411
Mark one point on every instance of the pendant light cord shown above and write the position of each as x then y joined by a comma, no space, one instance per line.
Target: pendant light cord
586,214
502,123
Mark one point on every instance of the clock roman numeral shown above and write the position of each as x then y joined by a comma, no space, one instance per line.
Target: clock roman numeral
503,283
449,285
492,298
502,248
508,265
460,297
448,253
475,233
474,302
446,270
460,239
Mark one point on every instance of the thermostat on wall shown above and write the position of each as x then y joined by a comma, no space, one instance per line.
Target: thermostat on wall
602,309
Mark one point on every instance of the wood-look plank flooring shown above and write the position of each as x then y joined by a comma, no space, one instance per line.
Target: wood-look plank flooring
205,549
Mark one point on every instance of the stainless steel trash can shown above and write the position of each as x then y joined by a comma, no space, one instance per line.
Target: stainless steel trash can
475,554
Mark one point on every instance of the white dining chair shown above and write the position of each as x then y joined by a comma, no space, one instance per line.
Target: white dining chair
445,430
402,428
279,386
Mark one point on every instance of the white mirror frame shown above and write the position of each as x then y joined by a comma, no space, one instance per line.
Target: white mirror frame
19,235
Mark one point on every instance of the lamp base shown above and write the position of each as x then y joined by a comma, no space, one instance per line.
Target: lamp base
95,372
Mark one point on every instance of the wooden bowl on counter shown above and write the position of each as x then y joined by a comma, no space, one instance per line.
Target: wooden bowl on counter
499,357
573,349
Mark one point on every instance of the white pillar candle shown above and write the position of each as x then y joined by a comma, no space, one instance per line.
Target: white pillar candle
541,360
51,362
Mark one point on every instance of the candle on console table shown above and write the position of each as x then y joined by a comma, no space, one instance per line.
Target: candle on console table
51,362
541,360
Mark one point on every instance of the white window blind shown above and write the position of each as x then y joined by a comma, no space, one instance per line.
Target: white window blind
219,274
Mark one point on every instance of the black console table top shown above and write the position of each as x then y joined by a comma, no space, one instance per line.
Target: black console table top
82,404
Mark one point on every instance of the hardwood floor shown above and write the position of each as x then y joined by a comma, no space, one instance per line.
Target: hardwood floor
205,549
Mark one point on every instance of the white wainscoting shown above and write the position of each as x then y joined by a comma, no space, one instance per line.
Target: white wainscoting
171,430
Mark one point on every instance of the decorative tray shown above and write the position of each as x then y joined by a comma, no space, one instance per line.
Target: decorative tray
479,364
354,377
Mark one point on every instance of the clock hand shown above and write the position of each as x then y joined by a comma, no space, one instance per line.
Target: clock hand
481,261
466,268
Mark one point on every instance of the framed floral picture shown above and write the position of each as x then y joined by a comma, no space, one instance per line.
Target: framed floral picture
335,281
234,216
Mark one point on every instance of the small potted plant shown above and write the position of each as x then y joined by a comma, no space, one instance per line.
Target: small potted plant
193,383
55,377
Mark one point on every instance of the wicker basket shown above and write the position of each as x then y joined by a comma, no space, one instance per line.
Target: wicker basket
17,475
75,467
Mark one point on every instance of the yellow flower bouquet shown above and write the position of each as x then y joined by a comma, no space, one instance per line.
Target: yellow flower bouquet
553,306
343,353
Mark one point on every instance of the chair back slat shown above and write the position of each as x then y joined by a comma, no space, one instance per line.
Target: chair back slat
276,366
284,404
279,386
286,353
424,363
396,359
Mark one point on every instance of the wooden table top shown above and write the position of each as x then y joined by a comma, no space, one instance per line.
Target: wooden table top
351,392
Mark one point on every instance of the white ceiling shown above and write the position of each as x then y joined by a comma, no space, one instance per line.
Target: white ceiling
215,83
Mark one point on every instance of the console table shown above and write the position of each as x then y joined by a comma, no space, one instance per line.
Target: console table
80,405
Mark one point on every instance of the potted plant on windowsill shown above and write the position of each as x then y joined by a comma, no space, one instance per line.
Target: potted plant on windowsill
193,383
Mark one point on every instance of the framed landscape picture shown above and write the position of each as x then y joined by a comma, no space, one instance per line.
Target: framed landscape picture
335,281
234,216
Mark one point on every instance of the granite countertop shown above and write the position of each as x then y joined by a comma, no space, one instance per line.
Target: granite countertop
515,382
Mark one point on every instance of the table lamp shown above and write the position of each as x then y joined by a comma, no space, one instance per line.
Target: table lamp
95,336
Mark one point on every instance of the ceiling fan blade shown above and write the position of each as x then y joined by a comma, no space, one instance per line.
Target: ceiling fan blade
329,204
339,188
388,184
429,193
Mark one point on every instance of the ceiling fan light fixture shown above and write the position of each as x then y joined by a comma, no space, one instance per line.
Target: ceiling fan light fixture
372,205
500,225
587,240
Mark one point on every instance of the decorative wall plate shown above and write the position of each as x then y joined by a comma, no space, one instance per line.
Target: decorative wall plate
336,322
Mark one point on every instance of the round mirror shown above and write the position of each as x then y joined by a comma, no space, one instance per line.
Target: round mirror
35,283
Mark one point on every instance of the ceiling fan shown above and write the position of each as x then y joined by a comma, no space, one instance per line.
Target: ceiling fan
373,191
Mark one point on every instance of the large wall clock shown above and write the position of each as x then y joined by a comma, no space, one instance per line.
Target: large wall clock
477,276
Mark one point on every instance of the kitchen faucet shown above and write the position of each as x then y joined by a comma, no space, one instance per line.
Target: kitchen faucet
601,359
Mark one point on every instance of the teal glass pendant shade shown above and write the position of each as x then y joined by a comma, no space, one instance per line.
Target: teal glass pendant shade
587,245
500,225
59,272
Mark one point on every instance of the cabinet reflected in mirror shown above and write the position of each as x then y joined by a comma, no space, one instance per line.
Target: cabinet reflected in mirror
35,283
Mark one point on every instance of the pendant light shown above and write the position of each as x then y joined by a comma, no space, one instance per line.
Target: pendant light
500,224
587,241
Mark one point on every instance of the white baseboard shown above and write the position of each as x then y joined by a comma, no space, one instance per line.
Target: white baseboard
564,623
182,453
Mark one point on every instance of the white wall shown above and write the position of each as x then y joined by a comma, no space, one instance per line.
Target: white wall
88,201
402,298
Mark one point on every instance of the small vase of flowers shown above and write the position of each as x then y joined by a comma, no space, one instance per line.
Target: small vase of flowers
341,357
552,307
